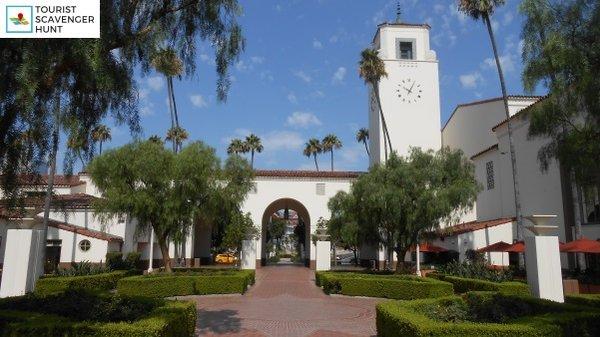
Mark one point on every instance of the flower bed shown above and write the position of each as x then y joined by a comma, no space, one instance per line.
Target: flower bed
190,282
463,285
55,284
80,313
485,314
405,287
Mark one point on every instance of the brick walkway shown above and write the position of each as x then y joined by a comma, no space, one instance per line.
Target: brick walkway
284,302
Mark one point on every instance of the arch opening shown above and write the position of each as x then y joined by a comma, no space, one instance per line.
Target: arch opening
285,233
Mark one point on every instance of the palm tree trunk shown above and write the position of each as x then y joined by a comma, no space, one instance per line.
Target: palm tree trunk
316,163
100,147
50,182
252,159
331,159
386,134
367,148
171,111
577,215
513,160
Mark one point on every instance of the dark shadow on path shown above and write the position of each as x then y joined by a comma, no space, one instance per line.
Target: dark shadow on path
218,322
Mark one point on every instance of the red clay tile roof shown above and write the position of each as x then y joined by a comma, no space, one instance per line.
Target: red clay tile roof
518,114
491,148
489,100
307,174
472,226
83,231
42,180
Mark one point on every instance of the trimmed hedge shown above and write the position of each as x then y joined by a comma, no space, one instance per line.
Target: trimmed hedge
406,319
404,287
56,284
167,285
463,285
588,300
173,319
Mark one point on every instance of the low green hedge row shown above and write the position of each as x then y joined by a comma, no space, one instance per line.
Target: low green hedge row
180,285
402,287
173,319
56,284
403,318
588,300
463,285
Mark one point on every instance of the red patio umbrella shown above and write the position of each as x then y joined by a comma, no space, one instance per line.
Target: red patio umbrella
582,245
429,248
499,246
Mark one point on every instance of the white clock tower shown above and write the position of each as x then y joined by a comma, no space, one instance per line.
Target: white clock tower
409,95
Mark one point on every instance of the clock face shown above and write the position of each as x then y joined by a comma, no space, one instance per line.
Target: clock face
409,91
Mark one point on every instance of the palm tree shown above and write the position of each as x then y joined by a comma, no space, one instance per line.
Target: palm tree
329,143
312,148
483,9
156,139
236,146
76,144
101,134
371,70
252,144
362,136
168,63
177,135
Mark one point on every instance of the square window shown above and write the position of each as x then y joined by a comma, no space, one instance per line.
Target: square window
320,188
489,170
405,50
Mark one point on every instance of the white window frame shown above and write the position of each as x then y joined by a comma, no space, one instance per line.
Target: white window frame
413,43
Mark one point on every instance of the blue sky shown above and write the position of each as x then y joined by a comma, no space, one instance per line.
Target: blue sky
298,76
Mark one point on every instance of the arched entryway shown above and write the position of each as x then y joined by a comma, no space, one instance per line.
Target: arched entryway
296,224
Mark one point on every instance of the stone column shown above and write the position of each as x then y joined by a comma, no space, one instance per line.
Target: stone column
249,254
22,261
323,252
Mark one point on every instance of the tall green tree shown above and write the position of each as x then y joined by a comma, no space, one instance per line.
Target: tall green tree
362,136
312,148
560,53
406,197
253,144
329,143
101,134
276,231
343,228
86,79
166,62
484,9
165,191
240,228
372,70
236,146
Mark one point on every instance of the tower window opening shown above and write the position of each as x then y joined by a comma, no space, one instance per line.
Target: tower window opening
405,50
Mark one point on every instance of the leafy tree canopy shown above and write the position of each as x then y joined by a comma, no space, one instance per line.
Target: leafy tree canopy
167,191
561,52
405,197
91,77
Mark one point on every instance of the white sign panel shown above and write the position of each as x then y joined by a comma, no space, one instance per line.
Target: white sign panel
49,19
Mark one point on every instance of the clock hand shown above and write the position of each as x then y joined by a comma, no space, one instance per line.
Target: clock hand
411,88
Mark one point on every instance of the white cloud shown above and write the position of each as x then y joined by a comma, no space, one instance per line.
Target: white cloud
147,110
282,140
292,98
257,59
339,75
471,81
318,94
302,119
241,66
303,76
198,101
155,82
267,75
317,44
506,61
507,18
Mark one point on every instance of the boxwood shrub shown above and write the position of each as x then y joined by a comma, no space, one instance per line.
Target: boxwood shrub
463,285
589,300
56,284
186,283
162,319
405,287
413,318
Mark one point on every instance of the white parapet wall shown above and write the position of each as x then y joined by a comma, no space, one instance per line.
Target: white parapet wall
249,254
323,252
542,260
22,261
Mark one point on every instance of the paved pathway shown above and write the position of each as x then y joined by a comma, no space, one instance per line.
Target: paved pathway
285,302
